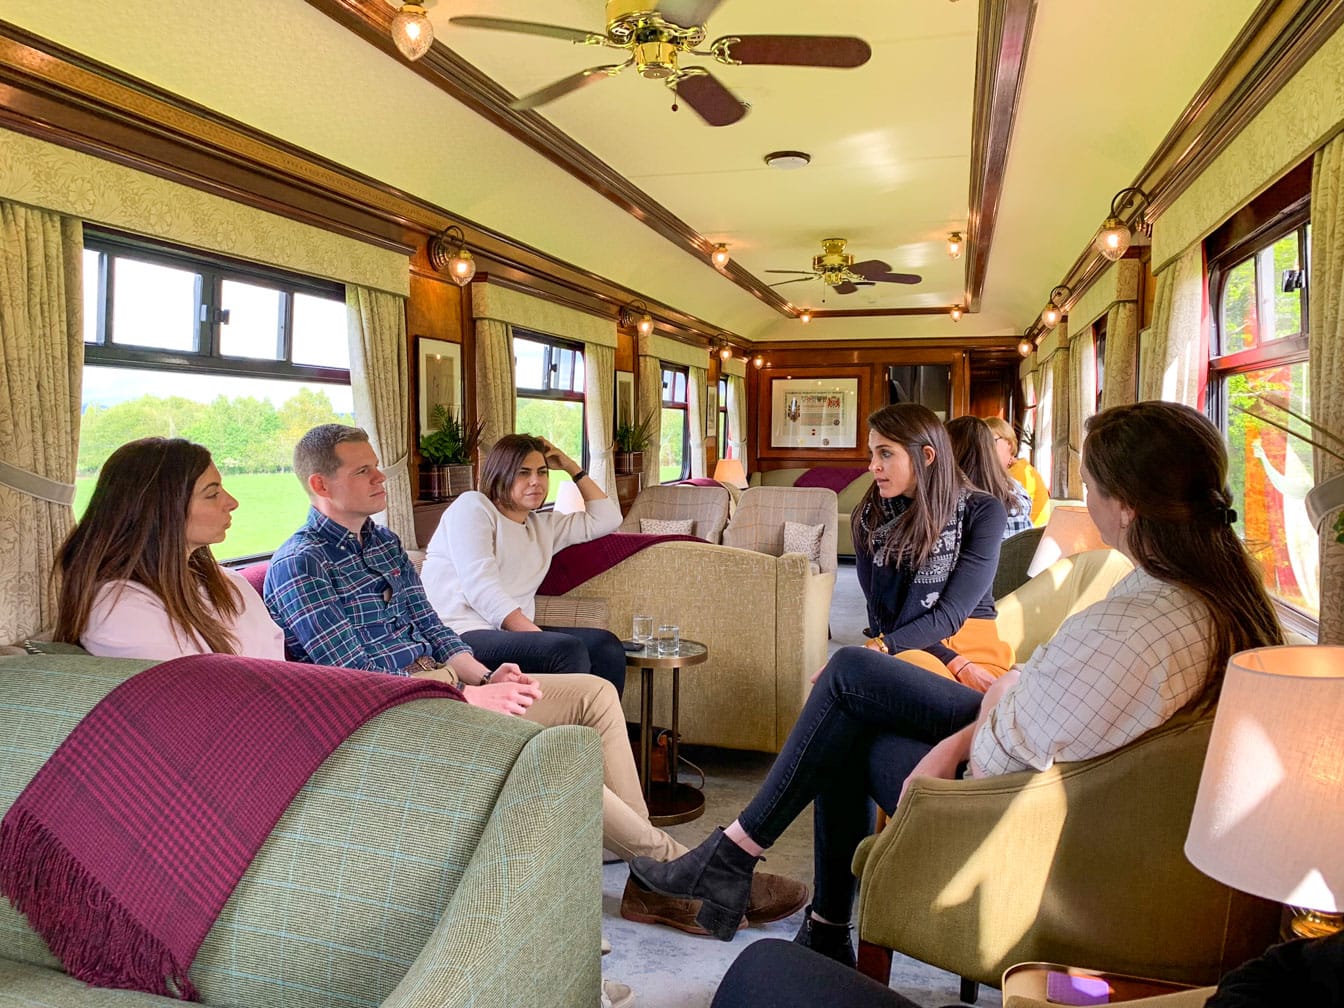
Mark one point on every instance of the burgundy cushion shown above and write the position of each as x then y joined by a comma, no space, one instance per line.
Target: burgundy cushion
256,574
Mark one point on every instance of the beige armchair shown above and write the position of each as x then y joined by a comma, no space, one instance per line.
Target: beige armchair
758,521
847,500
706,506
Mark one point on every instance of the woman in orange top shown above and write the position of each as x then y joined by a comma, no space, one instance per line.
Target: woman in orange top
1005,442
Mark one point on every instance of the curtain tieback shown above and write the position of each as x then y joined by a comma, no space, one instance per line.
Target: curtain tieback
396,469
33,485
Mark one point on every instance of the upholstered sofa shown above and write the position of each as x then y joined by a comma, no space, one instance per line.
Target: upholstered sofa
848,499
442,855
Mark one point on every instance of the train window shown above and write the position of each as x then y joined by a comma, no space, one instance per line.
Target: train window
239,358
674,461
549,376
721,420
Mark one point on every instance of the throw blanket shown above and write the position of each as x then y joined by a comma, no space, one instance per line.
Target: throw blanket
124,848
703,481
574,565
829,477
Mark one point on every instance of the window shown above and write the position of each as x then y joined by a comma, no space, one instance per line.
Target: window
1099,357
239,358
673,459
1259,290
548,373
721,422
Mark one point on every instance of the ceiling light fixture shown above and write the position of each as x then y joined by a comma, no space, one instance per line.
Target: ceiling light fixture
720,257
954,243
788,160
642,321
448,254
411,31
805,315
1114,237
1026,344
1053,310
758,362
956,313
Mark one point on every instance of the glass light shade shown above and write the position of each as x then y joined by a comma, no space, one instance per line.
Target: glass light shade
1050,316
758,362
1113,239
725,352
462,267
1270,810
411,31
1025,347
806,316
955,313
1069,530
954,245
645,325
729,470
720,256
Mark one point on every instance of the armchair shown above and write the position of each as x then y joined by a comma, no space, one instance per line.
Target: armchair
758,521
707,507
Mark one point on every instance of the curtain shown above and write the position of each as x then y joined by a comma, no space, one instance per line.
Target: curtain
1326,361
496,389
650,404
1082,400
1121,362
695,415
1044,449
1176,354
599,380
41,360
737,419
1061,456
380,381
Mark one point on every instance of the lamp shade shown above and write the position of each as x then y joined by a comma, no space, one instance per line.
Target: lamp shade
729,470
1069,530
568,499
1270,811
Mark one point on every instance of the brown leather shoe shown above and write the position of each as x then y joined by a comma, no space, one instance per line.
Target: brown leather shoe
774,897
649,907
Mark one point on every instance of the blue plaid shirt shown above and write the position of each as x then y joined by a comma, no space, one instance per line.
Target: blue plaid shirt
1019,517
353,601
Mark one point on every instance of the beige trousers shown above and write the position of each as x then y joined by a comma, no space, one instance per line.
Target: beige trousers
592,702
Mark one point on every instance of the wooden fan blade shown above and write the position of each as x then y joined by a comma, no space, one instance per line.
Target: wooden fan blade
564,86
712,102
800,272
781,283
843,51
526,28
686,13
845,288
902,278
869,267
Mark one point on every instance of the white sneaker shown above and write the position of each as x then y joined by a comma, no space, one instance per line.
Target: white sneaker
616,995
606,946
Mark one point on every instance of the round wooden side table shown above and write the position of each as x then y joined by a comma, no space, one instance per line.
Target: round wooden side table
671,801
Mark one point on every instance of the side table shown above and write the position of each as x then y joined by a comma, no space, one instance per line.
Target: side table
669,802
1029,979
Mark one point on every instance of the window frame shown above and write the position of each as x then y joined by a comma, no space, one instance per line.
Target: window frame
664,371
548,368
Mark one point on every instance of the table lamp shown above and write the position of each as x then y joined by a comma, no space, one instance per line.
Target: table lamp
729,470
568,499
1069,530
1269,816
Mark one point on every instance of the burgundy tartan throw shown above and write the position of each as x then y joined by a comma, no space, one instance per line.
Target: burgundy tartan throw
124,848
574,565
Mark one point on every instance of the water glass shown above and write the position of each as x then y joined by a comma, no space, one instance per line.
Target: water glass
642,630
669,639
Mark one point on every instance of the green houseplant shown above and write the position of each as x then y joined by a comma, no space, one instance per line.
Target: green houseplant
447,451
629,443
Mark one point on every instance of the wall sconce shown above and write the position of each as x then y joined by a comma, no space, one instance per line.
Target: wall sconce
758,361
643,321
448,254
805,315
1026,344
1114,237
722,348
1052,312
720,257
956,312
411,31
954,243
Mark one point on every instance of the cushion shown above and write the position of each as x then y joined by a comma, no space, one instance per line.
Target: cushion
804,539
51,647
667,526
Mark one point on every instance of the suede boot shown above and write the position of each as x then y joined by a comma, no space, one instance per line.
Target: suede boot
831,940
718,873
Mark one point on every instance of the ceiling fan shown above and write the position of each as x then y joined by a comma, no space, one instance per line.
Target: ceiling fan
838,270
655,32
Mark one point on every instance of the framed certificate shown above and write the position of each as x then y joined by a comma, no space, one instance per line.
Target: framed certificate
814,413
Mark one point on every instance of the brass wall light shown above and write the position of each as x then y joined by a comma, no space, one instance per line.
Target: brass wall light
954,243
411,31
1114,237
1053,312
636,314
758,361
720,257
805,315
448,254
956,312
1026,344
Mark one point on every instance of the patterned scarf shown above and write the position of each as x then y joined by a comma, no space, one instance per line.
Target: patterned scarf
892,585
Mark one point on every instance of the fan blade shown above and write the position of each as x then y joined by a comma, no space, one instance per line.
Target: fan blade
801,272
781,283
685,13
528,28
843,51
564,86
713,102
869,267
845,288
902,278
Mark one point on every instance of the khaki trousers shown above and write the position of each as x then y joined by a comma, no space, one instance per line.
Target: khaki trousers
592,702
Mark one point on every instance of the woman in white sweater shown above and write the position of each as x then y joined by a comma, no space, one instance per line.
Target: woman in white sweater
492,549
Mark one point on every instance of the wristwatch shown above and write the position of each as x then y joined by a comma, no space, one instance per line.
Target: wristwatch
422,664
485,679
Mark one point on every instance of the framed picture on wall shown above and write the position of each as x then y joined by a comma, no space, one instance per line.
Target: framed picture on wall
712,407
625,398
439,365
814,412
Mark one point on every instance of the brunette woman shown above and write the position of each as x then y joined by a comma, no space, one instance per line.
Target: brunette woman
1026,475
1156,475
974,444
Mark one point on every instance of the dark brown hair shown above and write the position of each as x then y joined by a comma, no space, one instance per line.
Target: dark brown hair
936,485
134,529
973,443
316,450
502,465
1168,463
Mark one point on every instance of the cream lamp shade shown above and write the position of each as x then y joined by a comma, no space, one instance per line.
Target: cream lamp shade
1068,530
1269,817
568,499
729,470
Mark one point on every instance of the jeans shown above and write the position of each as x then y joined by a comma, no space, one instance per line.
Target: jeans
779,974
554,651
869,719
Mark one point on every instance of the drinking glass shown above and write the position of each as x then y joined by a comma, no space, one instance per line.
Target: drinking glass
641,631
669,639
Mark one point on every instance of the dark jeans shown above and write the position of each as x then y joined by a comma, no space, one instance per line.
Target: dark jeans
869,720
779,974
554,650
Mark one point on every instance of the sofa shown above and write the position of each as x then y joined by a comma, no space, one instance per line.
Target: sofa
442,855
847,500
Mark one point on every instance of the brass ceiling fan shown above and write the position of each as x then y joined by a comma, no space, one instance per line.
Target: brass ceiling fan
656,32
837,269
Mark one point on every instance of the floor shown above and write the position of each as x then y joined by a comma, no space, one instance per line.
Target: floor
669,969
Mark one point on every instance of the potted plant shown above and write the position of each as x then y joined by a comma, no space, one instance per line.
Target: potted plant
629,443
447,452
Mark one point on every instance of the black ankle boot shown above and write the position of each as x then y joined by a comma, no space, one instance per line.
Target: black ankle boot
831,940
718,873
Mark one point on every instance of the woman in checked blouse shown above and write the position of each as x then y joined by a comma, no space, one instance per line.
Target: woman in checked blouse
1156,478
